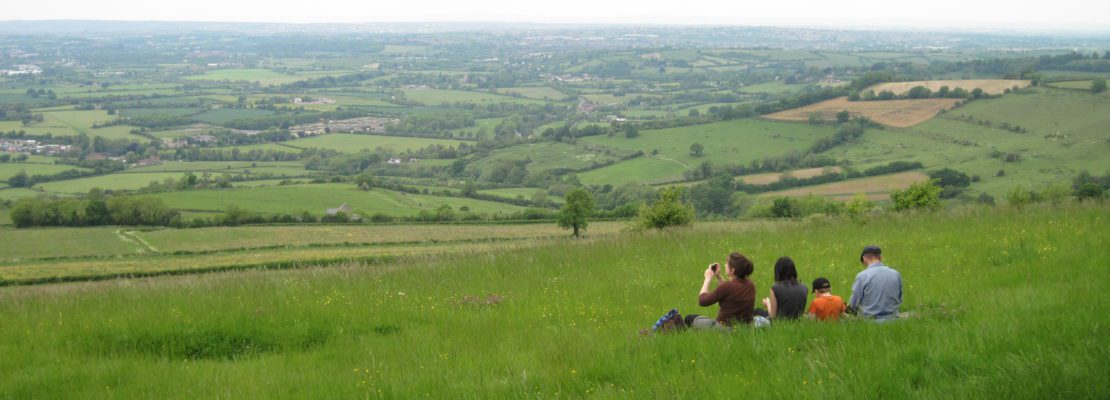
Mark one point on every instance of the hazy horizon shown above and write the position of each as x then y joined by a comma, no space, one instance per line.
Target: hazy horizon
988,16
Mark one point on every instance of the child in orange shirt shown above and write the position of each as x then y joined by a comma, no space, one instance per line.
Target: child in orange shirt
825,305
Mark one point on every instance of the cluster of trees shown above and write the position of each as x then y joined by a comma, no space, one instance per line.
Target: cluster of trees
847,132
431,125
7,157
788,161
96,211
667,210
198,154
951,182
920,92
1098,85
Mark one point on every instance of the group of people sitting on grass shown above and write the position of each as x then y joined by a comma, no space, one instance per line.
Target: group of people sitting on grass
876,295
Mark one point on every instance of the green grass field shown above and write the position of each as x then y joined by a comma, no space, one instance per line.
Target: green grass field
216,166
513,193
1077,85
535,92
81,242
116,181
776,87
354,143
315,198
223,115
262,76
7,170
552,155
434,97
639,169
72,123
13,194
561,320
730,142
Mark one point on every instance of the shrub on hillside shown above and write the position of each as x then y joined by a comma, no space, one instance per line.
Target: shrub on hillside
921,195
858,206
669,210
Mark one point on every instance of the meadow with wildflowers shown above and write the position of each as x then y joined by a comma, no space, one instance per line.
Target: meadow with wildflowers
1008,303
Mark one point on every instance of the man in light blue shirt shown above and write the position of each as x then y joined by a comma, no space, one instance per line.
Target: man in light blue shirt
877,292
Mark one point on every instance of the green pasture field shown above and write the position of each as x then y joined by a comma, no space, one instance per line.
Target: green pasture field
72,123
354,143
18,244
776,87
224,238
284,147
736,142
438,96
223,115
84,269
346,102
609,99
1076,85
535,92
782,55
640,113
639,169
489,124
117,181
8,170
181,132
262,76
1066,134
316,198
144,112
829,59
216,166
41,243
13,194
266,182
527,193
552,155
702,108
561,320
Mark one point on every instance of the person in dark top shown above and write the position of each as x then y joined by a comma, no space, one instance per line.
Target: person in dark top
736,296
788,297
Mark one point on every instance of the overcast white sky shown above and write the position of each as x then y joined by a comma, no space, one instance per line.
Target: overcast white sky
971,14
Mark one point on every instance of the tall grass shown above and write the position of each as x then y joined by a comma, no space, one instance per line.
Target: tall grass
1009,303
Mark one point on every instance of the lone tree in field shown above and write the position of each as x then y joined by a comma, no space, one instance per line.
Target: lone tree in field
579,206
1098,85
20,179
843,116
697,150
630,131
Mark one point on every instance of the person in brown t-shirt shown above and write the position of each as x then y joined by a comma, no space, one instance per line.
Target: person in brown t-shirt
735,296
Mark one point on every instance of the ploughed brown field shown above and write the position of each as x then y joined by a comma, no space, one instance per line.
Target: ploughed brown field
875,187
772,177
989,86
895,113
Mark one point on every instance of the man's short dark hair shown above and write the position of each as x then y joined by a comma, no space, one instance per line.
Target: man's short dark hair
871,250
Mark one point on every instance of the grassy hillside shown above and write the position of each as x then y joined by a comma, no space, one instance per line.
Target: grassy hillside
1064,134
729,142
1008,305
316,198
